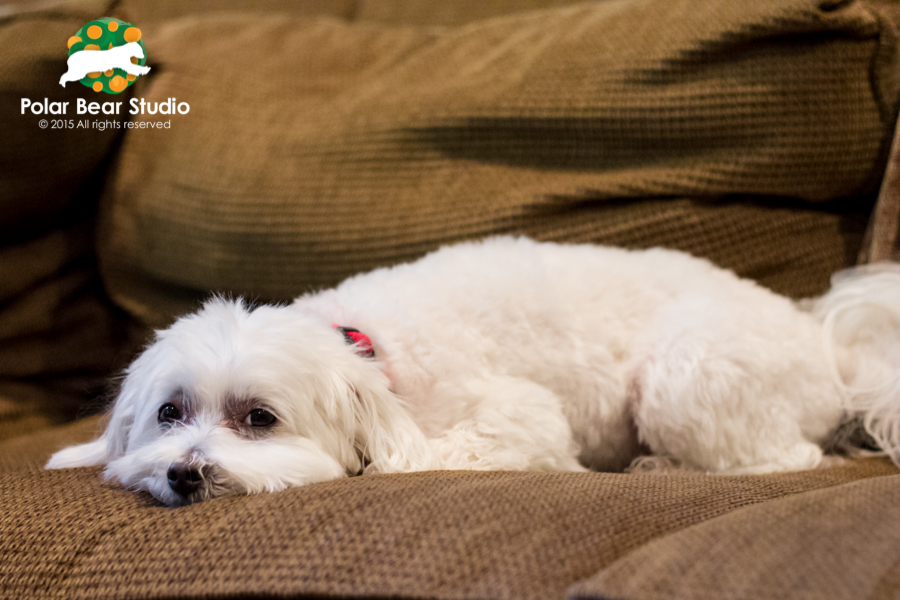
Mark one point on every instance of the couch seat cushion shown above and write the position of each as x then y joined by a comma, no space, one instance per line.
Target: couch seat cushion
454,535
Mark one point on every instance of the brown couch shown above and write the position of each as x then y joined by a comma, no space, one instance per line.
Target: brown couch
326,138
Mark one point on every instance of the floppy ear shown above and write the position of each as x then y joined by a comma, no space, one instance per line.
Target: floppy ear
109,446
112,442
81,455
386,435
139,377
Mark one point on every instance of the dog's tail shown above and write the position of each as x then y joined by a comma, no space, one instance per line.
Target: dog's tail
861,321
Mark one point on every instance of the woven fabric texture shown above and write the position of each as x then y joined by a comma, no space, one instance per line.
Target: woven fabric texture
146,13
445,13
316,149
751,133
60,335
453,535
417,13
839,543
880,243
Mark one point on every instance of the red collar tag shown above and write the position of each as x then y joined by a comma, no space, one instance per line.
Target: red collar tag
355,337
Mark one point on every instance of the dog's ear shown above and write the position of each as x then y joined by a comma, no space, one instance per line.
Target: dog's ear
109,446
386,436
81,455
113,441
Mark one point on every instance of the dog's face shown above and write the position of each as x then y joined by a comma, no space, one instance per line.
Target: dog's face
233,401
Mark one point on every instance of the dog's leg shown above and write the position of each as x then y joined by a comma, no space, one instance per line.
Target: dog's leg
712,391
512,424
133,69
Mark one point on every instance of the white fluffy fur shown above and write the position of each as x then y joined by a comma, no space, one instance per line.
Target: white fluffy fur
511,354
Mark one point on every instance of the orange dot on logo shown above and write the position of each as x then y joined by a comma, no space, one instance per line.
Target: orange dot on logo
73,40
97,86
117,83
92,47
131,77
94,32
113,26
132,34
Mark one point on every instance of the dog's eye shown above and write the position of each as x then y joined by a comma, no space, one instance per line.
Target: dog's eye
260,417
168,413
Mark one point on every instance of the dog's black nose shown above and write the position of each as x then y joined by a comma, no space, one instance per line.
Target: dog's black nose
184,479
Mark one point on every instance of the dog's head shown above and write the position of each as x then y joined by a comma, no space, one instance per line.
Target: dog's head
233,401
134,49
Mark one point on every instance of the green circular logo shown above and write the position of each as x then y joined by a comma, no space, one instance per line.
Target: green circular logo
122,55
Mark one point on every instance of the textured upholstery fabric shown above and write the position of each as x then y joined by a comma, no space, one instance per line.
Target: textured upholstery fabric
418,13
454,535
753,133
834,543
445,13
60,335
883,233
147,13
318,148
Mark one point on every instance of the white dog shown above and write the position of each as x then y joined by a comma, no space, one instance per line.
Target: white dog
505,354
96,61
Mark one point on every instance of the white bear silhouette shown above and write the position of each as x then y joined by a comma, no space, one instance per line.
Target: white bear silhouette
91,61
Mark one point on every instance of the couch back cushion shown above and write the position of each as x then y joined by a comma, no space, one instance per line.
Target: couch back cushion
749,133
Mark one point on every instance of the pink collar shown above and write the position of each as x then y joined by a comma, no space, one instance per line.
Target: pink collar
355,337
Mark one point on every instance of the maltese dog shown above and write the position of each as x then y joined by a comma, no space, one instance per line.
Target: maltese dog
506,354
